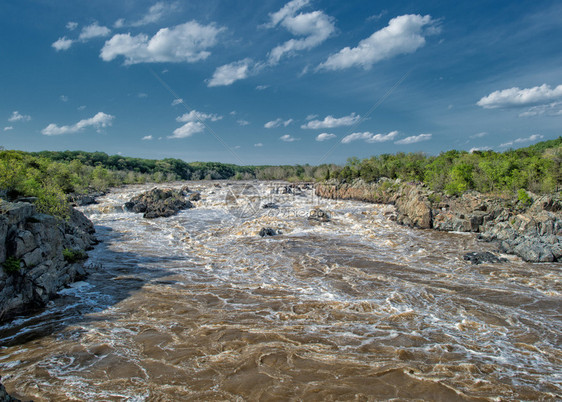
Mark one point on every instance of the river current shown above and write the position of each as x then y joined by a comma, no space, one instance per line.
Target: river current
198,306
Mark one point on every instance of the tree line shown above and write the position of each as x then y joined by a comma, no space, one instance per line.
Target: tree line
51,176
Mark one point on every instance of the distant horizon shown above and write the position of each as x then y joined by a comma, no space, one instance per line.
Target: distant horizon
278,82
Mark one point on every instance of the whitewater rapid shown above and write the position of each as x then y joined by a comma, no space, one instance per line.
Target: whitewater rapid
198,306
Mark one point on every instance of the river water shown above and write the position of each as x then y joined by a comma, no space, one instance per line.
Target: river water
199,307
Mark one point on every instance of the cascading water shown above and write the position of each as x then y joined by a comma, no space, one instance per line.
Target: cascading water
199,307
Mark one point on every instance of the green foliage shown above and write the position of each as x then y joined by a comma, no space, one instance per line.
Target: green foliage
72,256
523,197
537,168
11,265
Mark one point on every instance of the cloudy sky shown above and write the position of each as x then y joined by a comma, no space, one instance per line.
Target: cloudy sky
278,82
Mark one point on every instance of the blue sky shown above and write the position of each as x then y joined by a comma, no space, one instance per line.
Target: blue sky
278,82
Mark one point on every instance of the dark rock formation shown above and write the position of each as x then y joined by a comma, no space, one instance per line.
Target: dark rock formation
270,205
158,203
318,215
269,232
532,232
481,258
196,196
33,268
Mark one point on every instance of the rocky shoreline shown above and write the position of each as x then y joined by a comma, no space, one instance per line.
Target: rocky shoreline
39,255
529,228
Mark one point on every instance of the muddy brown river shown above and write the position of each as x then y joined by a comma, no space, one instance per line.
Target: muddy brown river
199,307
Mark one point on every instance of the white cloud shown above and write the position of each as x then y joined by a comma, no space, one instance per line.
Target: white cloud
237,147
155,13
62,44
177,101
288,138
183,43
71,25
8,128
369,137
311,116
188,129
93,31
99,121
332,122
403,34
142,95
82,107
147,138
414,138
63,98
262,87
315,27
259,144
515,96
325,137
194,123
243,122
17,116
479,149
120,23
277,123
230,73
551,109
233,113
194,115
479,135
531,138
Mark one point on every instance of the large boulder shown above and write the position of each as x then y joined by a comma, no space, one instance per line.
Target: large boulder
158,203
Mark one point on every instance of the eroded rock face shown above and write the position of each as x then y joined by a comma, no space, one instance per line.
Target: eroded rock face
36,242
534,232
158,203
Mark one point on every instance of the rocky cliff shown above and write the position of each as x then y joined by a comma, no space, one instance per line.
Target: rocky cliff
532,231
39,255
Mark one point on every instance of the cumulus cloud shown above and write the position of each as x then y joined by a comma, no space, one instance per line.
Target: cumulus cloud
194,115
414,139
369,137
531,138
243,123
99,121
332,122
259,144
277,123
313,28
71,25
515,96
17,116
93,31
288,138
230,73
182,43
147,138
62,44
177,101
155,13
63,98
194,123
479,149
188,129
8,128
325,137
262,87
403,34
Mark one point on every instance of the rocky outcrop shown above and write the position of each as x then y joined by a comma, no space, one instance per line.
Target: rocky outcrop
481,258
4,396
318,215
158,203
33,265
532,232
269,232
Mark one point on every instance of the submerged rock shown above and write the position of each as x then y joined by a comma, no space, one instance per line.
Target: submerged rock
483,257
270,205
158,203
318,215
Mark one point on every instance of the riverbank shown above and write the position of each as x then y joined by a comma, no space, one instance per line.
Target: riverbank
529,227
39,255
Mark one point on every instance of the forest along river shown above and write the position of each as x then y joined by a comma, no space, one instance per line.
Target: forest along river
198,306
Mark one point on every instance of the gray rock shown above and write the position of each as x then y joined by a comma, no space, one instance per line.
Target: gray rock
318,215
269,232
482,257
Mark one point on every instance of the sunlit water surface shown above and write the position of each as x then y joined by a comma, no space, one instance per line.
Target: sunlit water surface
199,307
